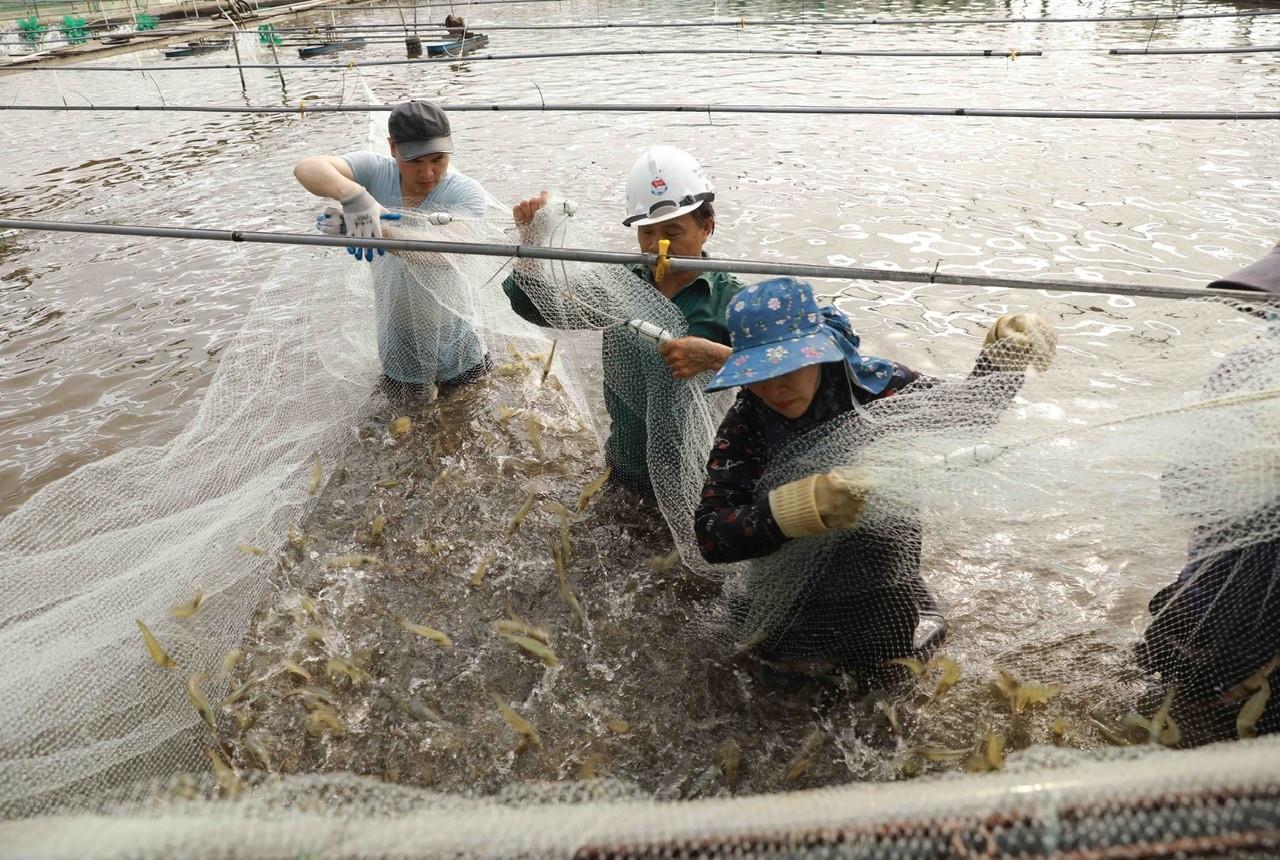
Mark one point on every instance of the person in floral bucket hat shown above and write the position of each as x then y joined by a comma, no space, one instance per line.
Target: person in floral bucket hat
798,367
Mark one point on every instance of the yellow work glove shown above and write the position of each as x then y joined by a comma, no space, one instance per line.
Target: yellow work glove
1018,340
818,504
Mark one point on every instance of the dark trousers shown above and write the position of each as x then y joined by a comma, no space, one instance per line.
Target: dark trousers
861,601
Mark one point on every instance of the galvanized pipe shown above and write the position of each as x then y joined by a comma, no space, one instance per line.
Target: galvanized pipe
540,55
583,255
1247,49
587,107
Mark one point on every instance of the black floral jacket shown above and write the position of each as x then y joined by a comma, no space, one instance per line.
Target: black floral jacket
732,523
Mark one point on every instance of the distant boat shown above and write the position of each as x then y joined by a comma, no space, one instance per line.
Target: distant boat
116,39
457,47
200,46
331,47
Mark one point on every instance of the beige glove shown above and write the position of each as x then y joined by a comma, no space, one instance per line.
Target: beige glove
1018,340
818,504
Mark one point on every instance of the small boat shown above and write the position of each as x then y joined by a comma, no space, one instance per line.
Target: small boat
200,46
457,47
331,47
116,39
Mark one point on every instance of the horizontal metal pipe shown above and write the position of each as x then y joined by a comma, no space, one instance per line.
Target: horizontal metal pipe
586,107
536,55
1247,49
583,255
624,52
394,38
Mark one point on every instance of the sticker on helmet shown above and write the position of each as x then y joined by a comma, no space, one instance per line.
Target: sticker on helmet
658,187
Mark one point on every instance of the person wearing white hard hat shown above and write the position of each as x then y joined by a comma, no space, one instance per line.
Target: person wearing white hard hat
668,197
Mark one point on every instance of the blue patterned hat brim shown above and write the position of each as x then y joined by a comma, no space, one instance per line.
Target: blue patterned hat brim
817,348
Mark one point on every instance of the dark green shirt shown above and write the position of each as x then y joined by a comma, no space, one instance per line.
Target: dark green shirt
702,303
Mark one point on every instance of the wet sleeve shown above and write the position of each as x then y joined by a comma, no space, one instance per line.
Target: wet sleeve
514,287
733,522
365,167
975,402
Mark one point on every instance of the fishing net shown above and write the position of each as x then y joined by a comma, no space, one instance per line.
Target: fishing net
429,628
1010,478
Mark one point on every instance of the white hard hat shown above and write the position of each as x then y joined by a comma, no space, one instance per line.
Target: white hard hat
665,183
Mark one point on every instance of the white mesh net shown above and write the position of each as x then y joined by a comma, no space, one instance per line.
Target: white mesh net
427,628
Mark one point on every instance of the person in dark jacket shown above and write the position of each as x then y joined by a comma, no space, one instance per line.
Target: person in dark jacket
799,368
1218,623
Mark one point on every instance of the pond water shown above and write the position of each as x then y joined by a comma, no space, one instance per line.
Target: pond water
111,342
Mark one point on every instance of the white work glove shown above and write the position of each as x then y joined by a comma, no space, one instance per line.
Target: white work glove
1018,340
362,218
330,223
818,504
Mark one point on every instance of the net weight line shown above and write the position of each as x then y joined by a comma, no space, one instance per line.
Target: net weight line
584,255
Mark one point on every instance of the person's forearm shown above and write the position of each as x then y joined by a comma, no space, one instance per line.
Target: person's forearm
322,178
729,533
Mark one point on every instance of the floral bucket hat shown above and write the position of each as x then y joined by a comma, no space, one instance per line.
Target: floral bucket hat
776,327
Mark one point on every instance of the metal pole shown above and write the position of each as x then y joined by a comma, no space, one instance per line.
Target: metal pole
620,52
235,45
799,110
271,40
694,264
1250,49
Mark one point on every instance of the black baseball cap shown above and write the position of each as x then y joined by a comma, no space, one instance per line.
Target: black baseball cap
418,129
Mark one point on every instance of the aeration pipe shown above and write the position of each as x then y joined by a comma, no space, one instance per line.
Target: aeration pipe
389,38
582,255
539,55
1246,49
304,109
622,52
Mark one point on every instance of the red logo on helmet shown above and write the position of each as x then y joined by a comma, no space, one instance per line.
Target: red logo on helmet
658,187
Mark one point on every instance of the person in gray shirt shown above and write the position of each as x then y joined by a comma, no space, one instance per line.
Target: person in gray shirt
420,342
